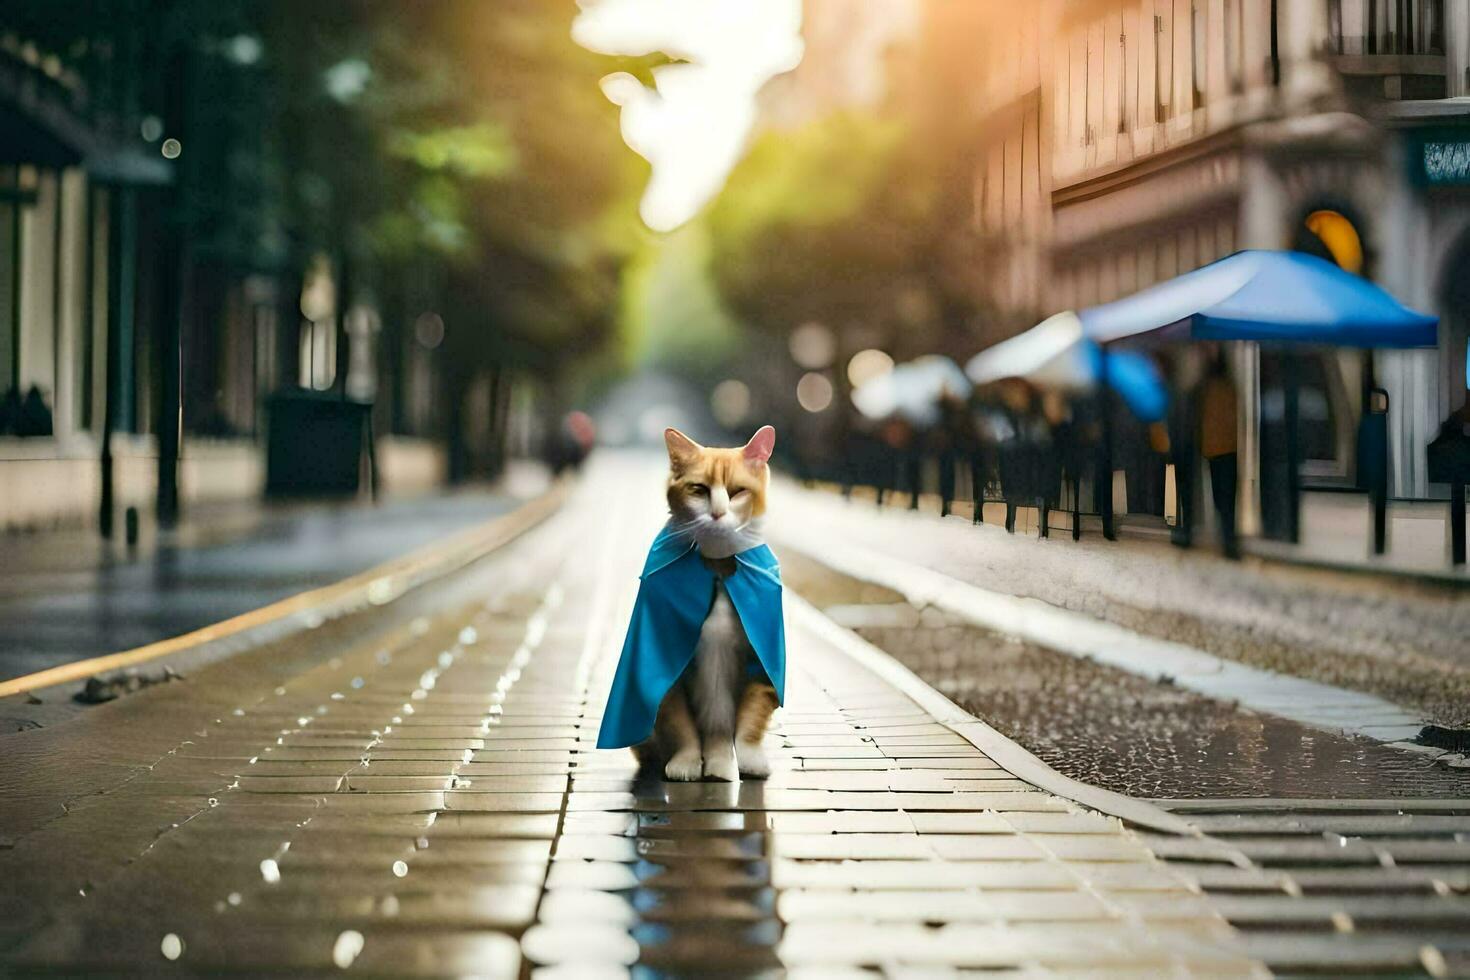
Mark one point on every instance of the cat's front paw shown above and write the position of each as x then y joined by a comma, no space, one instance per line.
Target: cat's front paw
721,765
752,760
684,767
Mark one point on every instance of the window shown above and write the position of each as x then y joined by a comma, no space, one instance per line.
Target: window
1123,70
1163,65
1197,63
1234,46
1317,411
1396,26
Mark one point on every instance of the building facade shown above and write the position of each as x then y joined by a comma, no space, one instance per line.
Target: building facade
1129,141
145,313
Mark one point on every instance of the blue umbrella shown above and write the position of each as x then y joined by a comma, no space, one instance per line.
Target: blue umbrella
1266,296
1133,376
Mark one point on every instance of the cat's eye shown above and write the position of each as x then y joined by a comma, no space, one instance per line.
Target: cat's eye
698,489
740,493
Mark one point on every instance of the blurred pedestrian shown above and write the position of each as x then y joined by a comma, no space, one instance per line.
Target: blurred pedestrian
1218,408
34,418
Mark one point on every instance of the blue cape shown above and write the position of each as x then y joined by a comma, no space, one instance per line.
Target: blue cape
674,598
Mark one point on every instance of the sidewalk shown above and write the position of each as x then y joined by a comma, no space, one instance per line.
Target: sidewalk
1399,640
433,805
68,595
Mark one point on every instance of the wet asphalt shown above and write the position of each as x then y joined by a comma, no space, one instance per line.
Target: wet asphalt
68,595
1112,729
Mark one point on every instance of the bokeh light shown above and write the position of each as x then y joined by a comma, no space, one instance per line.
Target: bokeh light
652,422
347,79
867,365
347,947
814,392
813,346
730,402
428,330
244,49
172,148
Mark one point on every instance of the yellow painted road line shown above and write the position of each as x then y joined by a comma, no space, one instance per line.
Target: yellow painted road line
377,586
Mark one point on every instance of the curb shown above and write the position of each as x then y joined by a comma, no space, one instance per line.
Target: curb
376,586
1011,756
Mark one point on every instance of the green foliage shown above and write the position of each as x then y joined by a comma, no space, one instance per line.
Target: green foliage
672,316
821,175
480,150
473,155
849,220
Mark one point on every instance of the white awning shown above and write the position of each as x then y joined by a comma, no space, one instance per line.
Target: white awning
1052,354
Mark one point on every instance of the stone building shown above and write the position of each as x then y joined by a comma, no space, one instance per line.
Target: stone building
1128,141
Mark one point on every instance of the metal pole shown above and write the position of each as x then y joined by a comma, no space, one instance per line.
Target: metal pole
977,484
171,302
122,240
1105,466
1457,523
1291,378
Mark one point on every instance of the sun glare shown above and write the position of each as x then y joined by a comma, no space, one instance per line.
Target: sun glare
693,124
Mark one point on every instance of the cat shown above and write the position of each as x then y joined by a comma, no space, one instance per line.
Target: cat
711,723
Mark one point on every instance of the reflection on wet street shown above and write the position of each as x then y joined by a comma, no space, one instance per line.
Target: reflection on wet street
1112,729
68,595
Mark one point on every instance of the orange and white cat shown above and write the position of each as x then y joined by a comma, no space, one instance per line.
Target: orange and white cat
713,719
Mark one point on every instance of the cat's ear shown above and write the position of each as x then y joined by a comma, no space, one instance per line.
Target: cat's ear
757,451
682,449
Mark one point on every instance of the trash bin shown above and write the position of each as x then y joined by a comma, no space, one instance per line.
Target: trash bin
315,444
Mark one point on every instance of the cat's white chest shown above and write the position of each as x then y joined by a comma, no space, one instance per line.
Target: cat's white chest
719,665
722,629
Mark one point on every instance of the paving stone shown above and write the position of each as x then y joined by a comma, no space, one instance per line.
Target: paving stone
589,847
598,875
494,825
1361,910
973,945
465,800
282,947
850,822
921,875
591,822
580,943
939,906
854,847
575,905
465,852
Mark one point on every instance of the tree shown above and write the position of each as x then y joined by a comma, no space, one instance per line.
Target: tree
849,221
